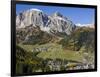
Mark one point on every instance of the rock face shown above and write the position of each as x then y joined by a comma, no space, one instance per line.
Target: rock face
51,24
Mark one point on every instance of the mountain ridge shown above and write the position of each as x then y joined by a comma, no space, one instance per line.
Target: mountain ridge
50,23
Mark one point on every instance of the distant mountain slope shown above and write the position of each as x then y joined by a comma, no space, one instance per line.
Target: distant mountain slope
32,35
83,38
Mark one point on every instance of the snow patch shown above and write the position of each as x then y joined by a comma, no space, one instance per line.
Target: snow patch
85,25
36,10
60,18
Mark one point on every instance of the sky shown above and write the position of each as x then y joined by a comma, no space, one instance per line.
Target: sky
76,15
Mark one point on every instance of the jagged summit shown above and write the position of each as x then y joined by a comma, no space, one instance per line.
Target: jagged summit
57,14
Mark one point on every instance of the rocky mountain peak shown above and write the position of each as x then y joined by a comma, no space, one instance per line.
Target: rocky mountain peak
57,14
35,17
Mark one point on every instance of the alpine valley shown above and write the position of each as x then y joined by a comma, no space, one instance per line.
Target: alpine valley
47,43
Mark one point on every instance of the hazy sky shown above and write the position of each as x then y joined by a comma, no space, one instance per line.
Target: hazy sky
76,15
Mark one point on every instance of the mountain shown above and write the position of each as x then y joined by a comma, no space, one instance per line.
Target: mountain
49,23
82,39
46,43
85,25
32,35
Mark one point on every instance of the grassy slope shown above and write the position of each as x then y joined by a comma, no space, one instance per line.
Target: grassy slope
55,51
67,55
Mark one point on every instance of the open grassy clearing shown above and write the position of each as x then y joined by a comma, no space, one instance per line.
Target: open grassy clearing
55,51
49,45
67,55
